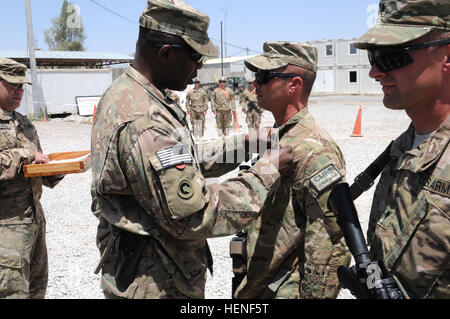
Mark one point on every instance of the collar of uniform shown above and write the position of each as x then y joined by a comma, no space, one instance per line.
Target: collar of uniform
421,158
153,90
6,116
302,116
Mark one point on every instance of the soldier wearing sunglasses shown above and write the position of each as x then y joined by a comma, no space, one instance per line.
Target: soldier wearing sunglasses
154,207
23,250
295,247
409,228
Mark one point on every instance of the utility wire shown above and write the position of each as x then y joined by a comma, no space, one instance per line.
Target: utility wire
115,13
135,23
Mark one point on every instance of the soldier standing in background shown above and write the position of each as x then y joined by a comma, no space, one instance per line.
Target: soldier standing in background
409,227
251,109
196,106
23,250
223,105
155,209
295,246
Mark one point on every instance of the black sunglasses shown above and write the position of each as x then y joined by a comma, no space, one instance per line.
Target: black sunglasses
18,86
391,58
195,57
264,77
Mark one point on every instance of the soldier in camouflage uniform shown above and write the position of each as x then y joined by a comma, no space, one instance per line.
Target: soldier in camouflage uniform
409,227
223,105
23,251
251,109
295,246
196,106
155,209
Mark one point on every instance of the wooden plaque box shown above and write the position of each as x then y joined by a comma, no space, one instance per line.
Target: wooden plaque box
60,164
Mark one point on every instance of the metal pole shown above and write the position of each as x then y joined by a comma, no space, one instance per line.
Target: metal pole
35,106
221,45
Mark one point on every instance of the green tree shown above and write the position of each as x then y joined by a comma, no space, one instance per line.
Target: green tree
67,31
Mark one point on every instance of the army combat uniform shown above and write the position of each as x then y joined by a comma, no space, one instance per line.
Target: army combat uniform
409,227
197,105
252,110
23,251
295,246
223,103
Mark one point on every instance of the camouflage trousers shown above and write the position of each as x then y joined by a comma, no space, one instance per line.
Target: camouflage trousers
253,120
141,277
23,261
198,123
223,120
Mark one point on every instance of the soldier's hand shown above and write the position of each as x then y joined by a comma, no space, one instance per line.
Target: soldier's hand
40,158
282,159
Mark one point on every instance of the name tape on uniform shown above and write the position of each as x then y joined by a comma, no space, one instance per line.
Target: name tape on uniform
4,126
325,178
174,156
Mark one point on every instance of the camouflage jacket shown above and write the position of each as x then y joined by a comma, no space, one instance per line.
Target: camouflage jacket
147,179
295,246
19,196
250,102
221,101
197,101
409,227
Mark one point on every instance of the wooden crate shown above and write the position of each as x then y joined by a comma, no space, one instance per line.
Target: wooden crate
62,168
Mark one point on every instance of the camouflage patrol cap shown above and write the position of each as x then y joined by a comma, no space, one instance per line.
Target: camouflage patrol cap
280,54
178,18
222,79
402,21
13,72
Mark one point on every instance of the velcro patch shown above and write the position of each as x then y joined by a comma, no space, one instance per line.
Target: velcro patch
4,126
438,186
325,178
176,155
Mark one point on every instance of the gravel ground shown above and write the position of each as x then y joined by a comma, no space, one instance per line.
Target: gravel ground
71,227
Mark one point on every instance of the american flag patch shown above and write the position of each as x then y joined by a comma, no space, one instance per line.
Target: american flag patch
174,156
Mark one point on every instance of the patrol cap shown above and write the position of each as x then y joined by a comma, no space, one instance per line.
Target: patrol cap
402,21
178,18
13,72
279,54
222,79
196,81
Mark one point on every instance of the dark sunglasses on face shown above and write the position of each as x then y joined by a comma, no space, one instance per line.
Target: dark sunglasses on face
391,58
264,77
18,86
195,57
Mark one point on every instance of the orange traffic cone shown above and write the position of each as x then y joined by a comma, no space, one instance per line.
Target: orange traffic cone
357,128
93,114
236,126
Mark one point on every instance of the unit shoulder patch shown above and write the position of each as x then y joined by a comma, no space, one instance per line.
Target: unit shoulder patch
325,178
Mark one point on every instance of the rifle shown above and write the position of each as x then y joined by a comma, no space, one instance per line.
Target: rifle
365,279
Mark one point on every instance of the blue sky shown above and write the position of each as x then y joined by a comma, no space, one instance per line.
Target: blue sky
248,23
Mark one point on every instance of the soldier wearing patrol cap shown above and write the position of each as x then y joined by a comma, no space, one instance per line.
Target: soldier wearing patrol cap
23,251
196,106
409,228
250,108
155,209
223,105
295,246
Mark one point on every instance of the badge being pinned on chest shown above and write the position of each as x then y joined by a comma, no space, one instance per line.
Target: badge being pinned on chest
325,178
177,156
